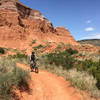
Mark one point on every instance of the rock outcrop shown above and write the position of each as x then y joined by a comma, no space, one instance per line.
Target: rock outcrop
20,24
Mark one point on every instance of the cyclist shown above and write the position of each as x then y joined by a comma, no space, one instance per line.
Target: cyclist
32,61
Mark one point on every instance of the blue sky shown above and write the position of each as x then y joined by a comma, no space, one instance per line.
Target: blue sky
81,17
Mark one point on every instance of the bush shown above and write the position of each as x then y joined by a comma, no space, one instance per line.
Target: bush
71,51
38,47
21,76
82,80
23,58
33,41
18,55
64,59
80,55
92,68
11,76
6,86
2,51
84,75
70,62
67,61
99,51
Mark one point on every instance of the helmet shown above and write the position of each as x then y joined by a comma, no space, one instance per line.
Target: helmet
33,52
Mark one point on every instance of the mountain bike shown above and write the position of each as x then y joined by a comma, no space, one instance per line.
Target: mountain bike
34,68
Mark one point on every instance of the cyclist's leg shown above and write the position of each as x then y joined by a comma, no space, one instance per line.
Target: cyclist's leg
31,65
36,68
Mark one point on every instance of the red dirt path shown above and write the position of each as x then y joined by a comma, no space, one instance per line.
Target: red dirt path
47,86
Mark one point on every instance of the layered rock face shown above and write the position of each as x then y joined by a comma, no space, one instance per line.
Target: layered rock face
20,24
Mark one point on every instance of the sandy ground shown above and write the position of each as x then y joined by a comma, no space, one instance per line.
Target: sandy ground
48,86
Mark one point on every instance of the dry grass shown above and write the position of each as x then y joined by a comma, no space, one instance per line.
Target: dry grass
11,76
79,79
83,81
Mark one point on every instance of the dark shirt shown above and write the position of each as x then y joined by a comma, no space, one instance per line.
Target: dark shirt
32,58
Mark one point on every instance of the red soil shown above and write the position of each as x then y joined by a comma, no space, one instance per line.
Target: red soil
48,86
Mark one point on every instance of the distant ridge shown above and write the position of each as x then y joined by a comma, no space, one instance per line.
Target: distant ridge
95,42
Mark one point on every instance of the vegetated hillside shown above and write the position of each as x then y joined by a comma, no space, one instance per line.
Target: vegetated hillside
95,42
20,24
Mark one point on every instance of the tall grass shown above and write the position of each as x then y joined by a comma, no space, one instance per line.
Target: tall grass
19,57
83,75
11,76
82,80
80,74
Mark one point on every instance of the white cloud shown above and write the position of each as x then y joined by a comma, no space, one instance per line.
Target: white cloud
92,36
88,22
89,29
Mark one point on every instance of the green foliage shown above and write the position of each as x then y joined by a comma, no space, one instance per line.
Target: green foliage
38,47
18,55
79,78
87,64
84,75
70,62
92,68
33,41
81,55
71,51
6,86
67,61
2,51
82,80
20,76
99,51
64,59
11,76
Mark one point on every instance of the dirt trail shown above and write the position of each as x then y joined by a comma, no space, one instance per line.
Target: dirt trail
47,86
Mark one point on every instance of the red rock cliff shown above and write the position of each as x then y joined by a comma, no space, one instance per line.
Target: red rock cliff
20,24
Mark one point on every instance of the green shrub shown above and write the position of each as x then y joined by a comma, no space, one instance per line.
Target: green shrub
67,61
2,51
80,77
33,41
70,62
92,68
21,76
80,55
11,76
82,80
64,59
6,86
87,64
71,51
18,55
22,58
38,47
